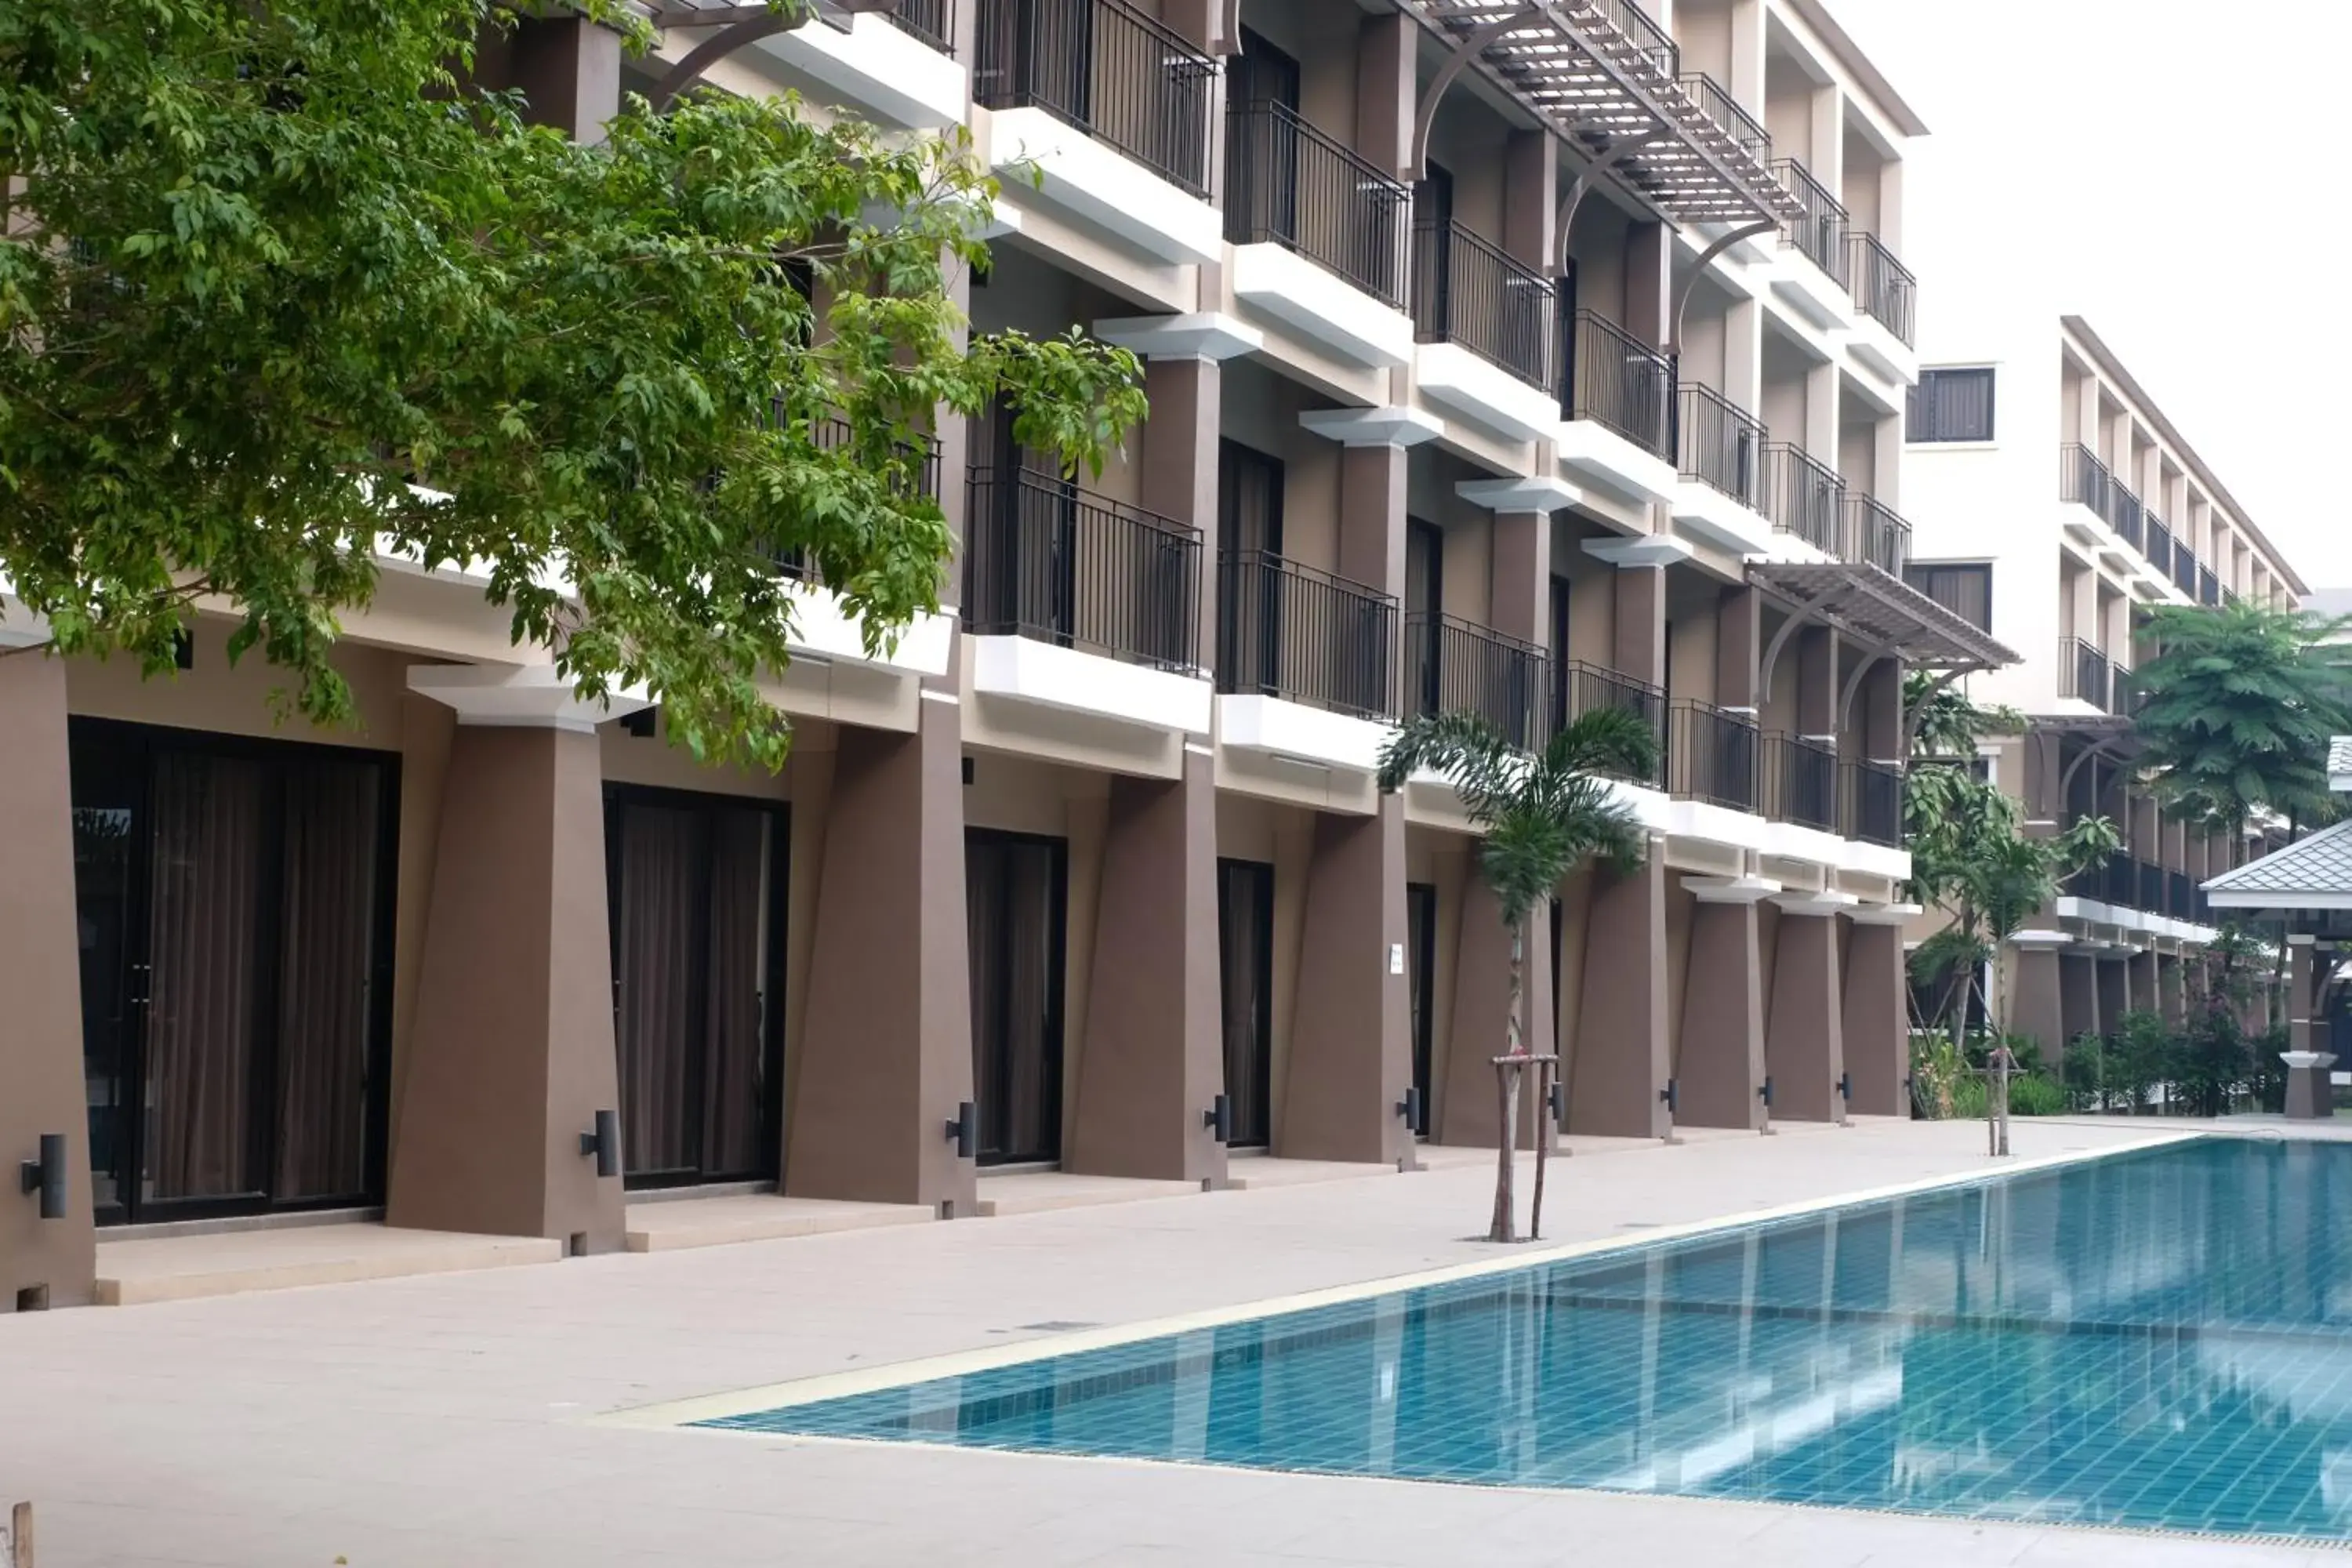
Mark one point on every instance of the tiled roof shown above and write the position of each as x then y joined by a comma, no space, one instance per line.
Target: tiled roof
2339,755
2319,863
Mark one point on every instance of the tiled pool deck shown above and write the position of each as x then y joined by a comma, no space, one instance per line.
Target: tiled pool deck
453,1419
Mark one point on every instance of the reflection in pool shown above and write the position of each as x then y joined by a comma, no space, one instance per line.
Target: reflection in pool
2160,1339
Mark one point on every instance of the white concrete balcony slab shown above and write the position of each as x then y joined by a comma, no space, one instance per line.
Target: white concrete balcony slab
1799,282
2087,910
1071,681
1880,351
1711,823
1707,514
527,696
1101,186
1319,304
1795,841
1483,395
1295,731
822,627
878,69
1862,858
1592,454
1652,809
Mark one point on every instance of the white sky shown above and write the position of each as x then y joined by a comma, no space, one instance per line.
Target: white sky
2185,172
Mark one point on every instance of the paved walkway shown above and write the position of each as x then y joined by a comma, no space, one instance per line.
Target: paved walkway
443,1420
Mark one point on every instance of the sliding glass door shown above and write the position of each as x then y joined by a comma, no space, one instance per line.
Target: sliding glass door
696,889
235,903
1421,973
1014,889
1245,942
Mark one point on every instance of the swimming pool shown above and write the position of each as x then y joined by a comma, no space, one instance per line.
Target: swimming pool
2159,1339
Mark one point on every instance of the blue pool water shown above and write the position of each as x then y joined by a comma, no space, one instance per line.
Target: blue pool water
2159,1339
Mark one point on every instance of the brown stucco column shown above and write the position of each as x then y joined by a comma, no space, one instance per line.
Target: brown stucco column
1617,1077
2139,983
1877,1021
1804,1023
2078,1002
1151,1059
2036,1007
2171,997
1468,1114
885,1041
1350,1061
2115,990
44,1262
567,69
1386,72
1816,652
512,1054
1738,648
1719,1080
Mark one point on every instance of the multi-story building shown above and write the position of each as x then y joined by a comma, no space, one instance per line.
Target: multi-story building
2053,501
1520,367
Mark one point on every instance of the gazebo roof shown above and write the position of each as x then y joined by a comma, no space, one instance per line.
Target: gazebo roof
2313,873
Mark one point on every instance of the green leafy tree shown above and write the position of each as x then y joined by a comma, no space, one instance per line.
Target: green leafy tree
279,293
1540,817
2237,706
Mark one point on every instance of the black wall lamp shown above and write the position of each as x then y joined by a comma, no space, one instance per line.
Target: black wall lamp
964,1130
1845,1086
1219,1118
47,1175
603,1142
1671,1097
1409,1107
1557,1097
1764,1091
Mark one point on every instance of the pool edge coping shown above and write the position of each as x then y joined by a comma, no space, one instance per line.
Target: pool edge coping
692,1412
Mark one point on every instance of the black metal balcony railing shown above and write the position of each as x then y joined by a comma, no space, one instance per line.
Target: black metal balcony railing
2208,587
1287,630
1799,781
1820,233
1044,559
2120,884
1802,495
1453,666
1618,382
1746,133
1289,183
1467,290
1722,445
1871,533
2184,567
2083,478
1653,42
1871,796
1712,756
1107,68
1883,288
2158,547
2179,895
832,435
1579,689
932,21
2084,673
2150,895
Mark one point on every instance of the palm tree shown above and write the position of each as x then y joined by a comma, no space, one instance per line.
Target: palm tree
1542,816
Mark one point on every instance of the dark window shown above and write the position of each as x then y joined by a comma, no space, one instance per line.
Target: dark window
1421,956
1245,942
1950,405
1249,501
1965,590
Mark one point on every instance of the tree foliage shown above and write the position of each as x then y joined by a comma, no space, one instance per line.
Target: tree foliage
2237,708
281,295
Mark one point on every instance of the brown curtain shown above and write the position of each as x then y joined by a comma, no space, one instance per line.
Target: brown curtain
984,893
1033,1111
1244,934
326,939
656,953
203,932
733,1082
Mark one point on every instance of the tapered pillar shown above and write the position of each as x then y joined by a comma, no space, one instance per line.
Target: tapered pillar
1617,1077
1719,1077
2141,982
1350,1061
2115,991
1151,1061
2171,1003
2078,1002
2036,1009
43,1262
1805,1024
1877,1020
512,1055
886,1042
1480,1026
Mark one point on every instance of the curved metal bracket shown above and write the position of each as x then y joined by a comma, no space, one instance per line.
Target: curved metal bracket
711,50
1936,688
1699,269
2066,780
1578,189
1852,685
1797,618
1425,113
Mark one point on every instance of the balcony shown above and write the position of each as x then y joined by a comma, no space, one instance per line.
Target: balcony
1579,689
1745,136
897,68
1293,195
1487,324
1617,397
1799,779
2159,546
2084,674
1870,533
1816,232
2208,587
2085,482
1885,292
1064,588
1803,496
1306,663
2184,568
1711,756
1721,466
1138,94
930,21
2150,895
1871,798
1453,666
